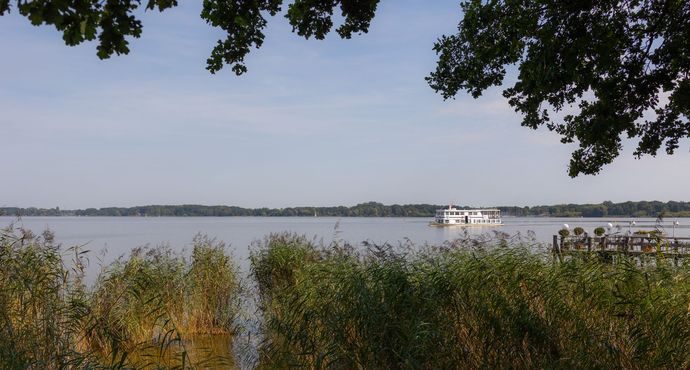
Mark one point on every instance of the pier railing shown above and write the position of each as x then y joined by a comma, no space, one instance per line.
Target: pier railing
627,244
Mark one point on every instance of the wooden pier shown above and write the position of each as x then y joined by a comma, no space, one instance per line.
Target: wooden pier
633,245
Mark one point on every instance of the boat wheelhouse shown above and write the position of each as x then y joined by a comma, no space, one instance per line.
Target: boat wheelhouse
467,217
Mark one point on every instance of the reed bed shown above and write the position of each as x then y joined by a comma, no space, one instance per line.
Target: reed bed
136,315
42,304
156,293
466,305
492,302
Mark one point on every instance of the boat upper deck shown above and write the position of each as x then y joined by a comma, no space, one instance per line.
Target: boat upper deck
451,212
454,216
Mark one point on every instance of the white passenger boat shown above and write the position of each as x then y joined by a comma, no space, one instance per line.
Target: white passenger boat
467,217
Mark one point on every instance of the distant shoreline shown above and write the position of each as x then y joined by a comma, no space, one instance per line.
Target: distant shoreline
370,209
328,216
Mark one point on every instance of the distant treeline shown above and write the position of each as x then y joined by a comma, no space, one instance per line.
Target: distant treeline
370,209
607,208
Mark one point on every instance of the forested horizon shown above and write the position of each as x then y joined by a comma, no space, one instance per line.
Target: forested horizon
369,209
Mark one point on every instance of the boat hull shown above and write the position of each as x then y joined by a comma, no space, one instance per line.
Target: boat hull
436,224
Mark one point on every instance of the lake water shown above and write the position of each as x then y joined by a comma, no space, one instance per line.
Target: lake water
110,237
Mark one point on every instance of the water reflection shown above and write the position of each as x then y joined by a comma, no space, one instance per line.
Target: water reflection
199,352
211,351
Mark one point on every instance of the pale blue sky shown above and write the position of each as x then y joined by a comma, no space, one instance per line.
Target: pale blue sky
333,122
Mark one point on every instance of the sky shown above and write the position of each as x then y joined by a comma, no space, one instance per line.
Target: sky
312,123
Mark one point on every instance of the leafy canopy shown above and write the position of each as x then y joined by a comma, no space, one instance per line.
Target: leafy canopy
113,21
602,64
595,72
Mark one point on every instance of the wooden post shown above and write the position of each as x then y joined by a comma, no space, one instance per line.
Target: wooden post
626,244
555,244
589,244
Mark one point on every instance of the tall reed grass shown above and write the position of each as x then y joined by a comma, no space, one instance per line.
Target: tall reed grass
475,303
42,304
135,316
466,305
156,293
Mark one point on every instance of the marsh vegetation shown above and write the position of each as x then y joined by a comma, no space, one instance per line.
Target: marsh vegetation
136,315
492,302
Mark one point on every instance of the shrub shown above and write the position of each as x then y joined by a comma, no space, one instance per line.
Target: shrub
578,231
599,231
564,232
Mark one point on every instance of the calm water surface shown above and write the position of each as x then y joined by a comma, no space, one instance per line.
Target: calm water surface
110,237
